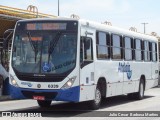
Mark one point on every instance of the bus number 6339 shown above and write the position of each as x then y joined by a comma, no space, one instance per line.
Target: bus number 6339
52,86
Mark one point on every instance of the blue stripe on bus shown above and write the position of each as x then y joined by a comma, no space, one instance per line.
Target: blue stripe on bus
71,94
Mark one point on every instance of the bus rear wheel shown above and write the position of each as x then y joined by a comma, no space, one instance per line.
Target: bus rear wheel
95,104
44,103
140,94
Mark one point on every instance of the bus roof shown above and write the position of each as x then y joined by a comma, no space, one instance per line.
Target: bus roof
117,30
102,27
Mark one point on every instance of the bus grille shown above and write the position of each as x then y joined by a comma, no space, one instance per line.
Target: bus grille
41,79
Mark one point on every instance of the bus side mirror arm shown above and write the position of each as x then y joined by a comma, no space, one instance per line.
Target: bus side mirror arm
7,34
5,44
81,51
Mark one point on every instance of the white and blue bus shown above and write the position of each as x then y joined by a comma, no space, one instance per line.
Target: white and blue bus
76,60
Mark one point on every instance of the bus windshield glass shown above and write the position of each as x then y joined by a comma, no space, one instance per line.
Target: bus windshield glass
45,47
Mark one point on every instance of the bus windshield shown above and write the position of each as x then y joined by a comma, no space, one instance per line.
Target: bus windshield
45,47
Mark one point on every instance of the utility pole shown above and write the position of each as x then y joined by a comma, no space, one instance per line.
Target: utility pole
144,27
58,7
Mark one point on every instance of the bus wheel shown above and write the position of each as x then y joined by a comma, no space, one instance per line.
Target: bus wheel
44,103
140,94
95,104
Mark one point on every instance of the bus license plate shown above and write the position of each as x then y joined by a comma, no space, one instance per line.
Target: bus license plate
38,97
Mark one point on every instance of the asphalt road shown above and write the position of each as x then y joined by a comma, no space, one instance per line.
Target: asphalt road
114,105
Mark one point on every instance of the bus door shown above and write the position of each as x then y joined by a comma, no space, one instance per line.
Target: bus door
87,64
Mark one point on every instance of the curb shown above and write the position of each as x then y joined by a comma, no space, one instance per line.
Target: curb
5,98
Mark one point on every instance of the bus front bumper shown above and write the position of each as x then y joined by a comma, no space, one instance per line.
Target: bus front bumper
72,94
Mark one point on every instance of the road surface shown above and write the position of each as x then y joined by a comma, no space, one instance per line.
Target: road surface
76,111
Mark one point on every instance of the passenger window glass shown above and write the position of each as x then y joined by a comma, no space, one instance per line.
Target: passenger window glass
138,52
102,38
116,40
128,48
153,47
154,52
146,51
102,52
116,53
138,44
116,47
127,42
103,49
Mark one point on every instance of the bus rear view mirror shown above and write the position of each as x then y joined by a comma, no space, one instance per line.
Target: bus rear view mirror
87,43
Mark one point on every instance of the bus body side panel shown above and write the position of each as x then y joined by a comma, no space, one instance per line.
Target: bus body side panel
144,68
129,78
154,77
114,79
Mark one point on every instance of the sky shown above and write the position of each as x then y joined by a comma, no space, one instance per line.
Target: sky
121,13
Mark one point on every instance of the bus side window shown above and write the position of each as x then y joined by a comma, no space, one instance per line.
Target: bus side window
154,52
86,53
138,50
88,49
116,45
128,48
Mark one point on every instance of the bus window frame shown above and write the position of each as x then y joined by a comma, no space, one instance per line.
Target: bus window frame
85,62
141,41
121,46
107,46
132,47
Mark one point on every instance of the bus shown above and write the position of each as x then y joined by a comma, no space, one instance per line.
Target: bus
76,60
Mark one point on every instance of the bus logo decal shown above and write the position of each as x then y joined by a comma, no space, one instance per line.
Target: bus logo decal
125,68
26,83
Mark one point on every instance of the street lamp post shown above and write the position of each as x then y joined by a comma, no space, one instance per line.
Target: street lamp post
58,7
144,27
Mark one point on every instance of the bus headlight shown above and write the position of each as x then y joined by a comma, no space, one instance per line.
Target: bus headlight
69,83
13,81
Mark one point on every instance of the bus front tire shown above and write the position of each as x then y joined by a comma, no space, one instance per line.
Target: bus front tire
95,104
44,103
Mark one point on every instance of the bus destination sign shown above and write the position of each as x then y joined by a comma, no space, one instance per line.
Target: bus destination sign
46,26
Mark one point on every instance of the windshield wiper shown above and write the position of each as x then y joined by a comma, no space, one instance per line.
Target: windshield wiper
52,44
34,47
